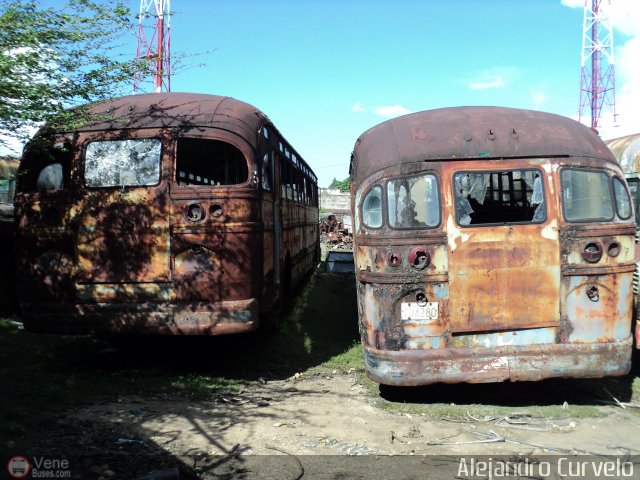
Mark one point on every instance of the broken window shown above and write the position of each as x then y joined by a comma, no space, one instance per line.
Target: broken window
204,162
623,203
412,202
122,163
50,178
499,197
372,208
586,195
45,166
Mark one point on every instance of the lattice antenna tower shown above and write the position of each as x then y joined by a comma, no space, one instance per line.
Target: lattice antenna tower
597,81
153,54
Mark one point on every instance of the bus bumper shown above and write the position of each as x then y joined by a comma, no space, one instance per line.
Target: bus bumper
498,364
144,318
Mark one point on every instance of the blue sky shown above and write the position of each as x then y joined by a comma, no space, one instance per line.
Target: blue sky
325,71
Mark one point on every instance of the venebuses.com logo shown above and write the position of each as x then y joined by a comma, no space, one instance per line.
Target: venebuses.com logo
39,467
18,467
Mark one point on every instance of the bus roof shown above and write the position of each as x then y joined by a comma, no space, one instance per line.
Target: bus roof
626,150
172,109
175,110
472,133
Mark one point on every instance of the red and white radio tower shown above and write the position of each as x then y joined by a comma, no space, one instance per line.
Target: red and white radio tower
597,82
155,54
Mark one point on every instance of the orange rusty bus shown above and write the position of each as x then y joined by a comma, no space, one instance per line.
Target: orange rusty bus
167,213
491,244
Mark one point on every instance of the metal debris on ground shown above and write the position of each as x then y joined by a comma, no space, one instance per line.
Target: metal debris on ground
334,234
492,437
239,399
521,421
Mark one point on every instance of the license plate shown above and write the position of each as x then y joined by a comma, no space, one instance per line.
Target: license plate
419,311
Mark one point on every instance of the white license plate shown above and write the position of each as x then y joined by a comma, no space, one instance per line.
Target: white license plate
419,311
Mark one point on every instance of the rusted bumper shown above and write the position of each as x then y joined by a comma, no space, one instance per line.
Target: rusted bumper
148,318
484,365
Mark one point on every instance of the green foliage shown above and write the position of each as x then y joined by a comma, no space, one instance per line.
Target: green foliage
52,58
342,185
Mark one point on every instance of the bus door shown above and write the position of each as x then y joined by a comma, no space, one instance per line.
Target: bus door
504,262
270,204
123,220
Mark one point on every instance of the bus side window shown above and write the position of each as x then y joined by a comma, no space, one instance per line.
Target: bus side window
372,208
623,202
267,171
634,183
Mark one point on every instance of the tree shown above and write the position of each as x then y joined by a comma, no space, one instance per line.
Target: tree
343,186
55,58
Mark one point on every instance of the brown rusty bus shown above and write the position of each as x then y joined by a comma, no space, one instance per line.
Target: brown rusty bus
491,244
168,213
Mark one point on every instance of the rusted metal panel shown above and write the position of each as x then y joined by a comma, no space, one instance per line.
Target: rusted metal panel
508,300
499,363
472,133
504,276
123,236
200,318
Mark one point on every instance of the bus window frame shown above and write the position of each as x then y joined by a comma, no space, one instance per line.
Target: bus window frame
635,201
540,171
615,197
83,163
383,202
609,174
244,146
385,216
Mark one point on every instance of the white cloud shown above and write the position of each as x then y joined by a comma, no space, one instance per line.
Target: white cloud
386,111
498,77
538,98
391,111
625,16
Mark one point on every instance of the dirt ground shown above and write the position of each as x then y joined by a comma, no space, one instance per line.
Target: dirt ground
333,415
294,415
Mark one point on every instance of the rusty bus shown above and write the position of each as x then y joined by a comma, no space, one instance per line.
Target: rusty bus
167,213
491,244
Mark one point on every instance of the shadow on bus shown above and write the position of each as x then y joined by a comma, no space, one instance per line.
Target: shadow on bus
317,322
